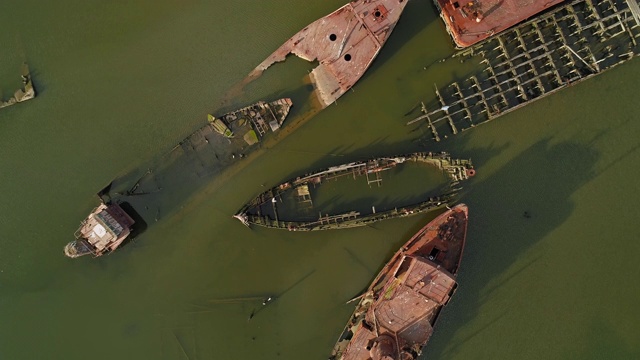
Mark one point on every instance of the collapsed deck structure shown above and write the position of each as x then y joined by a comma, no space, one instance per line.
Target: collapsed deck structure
344,42
396,315
263,210
572,43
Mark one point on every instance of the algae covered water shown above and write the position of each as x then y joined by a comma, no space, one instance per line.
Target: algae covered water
119,85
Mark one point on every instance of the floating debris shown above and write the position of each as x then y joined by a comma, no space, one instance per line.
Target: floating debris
27,92
263,210
396,315
344,42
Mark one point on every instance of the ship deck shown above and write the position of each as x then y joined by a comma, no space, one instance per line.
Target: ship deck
411,290
471,21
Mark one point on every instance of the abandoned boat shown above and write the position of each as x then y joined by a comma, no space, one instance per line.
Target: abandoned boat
27,92
344,42
251,123
471,21
299,195
101,232
396,315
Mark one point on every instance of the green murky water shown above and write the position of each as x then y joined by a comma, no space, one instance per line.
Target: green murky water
120,84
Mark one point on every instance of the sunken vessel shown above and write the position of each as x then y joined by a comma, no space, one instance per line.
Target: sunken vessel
344,43
249,124
300,193
394,318
102,232
26,92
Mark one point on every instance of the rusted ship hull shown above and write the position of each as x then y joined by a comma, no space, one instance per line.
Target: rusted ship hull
396,315
344,42
263,210
471,21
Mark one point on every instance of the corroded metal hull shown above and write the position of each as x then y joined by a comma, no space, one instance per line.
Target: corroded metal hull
344,42
254,212
469,22
395,316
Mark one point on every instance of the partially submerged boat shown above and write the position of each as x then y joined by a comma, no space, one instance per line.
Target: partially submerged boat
395,317
103,231
344,42
471,21
264,210
27,92
251,123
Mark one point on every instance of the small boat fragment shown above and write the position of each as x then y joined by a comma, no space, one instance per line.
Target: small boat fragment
344,42
106,228
266,209
396,315
27,92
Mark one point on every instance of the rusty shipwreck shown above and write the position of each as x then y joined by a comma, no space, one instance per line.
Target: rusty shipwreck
344,42
395,317
472,21
298,204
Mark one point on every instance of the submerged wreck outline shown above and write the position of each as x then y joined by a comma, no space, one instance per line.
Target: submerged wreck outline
456,170
345,43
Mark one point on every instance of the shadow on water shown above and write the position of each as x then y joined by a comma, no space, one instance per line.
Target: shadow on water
535,191
604,342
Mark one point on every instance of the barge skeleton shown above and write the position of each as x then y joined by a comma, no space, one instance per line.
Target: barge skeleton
570,44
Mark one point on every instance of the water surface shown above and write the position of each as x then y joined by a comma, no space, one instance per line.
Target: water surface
120,84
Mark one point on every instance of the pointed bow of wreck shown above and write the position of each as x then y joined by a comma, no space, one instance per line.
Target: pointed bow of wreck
396,315
344,42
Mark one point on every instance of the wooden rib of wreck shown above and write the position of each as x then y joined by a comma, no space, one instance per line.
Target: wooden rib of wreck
27,92
396,315
103,231
263,211
344,42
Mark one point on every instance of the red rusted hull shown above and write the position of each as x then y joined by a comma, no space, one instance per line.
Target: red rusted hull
471,21
344,42
395,317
